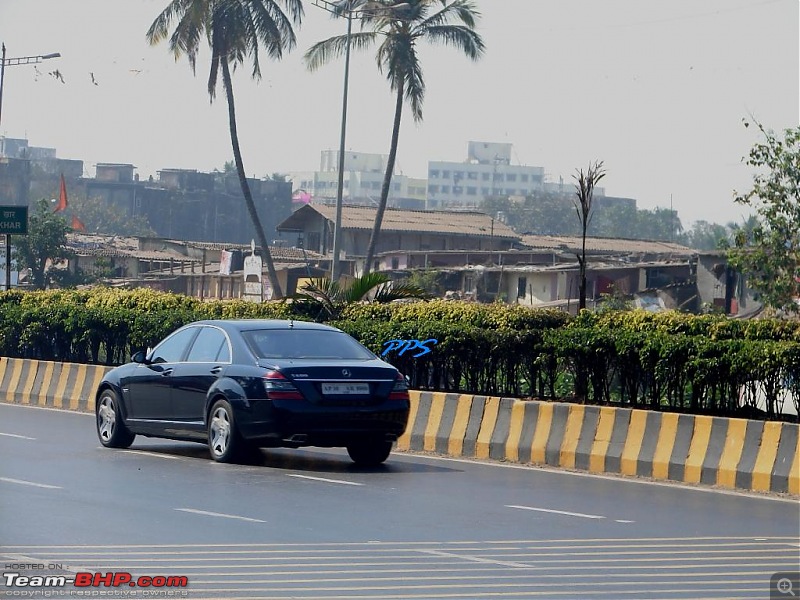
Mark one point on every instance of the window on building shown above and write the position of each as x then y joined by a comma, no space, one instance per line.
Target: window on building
433,189
471,191
445,189
472,175
498,177
396,187
376,185
434,174
511,177
523,178
395,263
457,189
445,174
485,176
485,191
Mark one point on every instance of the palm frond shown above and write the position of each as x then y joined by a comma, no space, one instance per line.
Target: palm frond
389,293
459,36
359,289
460,10
334,47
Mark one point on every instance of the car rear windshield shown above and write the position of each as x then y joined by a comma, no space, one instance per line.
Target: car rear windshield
305,343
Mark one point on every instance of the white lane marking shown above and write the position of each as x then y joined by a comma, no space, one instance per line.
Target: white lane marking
325,479
557,512
155,454
623,521
20,437
616,478
475,559
31,483
216,514
626,542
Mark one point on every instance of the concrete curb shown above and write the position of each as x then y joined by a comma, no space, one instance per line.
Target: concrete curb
731,453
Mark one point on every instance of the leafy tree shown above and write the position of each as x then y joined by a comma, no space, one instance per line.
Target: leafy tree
324,297
44,246
403,24
706,236
584,198
769,254
429,280
98,216
236,30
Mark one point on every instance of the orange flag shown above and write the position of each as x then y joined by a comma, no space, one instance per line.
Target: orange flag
62,196
77,224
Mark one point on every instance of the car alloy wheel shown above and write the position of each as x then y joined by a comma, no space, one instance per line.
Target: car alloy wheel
223,439
110,428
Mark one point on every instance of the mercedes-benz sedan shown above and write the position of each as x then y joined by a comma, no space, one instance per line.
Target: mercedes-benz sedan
243,384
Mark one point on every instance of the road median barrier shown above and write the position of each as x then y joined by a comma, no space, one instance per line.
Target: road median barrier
731,453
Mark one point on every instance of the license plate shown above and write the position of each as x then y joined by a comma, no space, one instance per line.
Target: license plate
345,389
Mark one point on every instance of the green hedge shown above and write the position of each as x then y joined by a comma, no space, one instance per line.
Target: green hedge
702,364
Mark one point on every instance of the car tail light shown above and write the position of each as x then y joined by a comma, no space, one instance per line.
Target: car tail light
400,389
280,388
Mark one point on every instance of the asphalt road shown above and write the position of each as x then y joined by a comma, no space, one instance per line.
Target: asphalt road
309,524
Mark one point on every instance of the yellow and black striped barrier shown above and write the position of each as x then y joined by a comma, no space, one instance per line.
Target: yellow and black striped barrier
731,453
43,383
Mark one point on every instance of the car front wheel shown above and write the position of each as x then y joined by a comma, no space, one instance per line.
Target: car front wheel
369,453
110,429
224,440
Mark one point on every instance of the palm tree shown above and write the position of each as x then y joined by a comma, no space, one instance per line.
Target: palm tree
236,31
327,298
402,24
583,201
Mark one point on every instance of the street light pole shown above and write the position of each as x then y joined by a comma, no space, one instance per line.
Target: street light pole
338,9
337,227
23,60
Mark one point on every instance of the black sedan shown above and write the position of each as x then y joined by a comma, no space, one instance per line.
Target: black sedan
244,384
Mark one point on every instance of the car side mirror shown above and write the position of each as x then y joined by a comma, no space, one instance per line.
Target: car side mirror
140,357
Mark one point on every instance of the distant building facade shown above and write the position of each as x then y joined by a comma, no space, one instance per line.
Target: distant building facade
190,205
486,172
363,180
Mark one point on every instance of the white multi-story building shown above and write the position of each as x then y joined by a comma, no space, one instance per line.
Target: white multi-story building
363,179
486,172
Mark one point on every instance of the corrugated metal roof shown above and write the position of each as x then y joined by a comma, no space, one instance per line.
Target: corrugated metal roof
276,251
610,245
411,221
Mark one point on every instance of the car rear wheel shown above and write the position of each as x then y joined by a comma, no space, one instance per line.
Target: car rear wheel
224,441
369,453
110,429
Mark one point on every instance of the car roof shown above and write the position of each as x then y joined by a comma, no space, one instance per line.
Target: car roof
250,324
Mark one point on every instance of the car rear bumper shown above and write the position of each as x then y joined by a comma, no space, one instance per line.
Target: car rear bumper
299,423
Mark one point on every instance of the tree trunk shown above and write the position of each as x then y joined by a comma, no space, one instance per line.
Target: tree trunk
248,197
582,292
387,181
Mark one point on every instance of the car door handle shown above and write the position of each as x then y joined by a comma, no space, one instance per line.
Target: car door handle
216,370
166,372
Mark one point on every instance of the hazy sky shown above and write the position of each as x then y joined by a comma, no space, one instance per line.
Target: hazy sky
657,89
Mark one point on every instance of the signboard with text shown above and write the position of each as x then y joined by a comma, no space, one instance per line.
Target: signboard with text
14,220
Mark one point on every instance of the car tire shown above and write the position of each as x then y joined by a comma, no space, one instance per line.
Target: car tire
224,440
369,453
110,429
